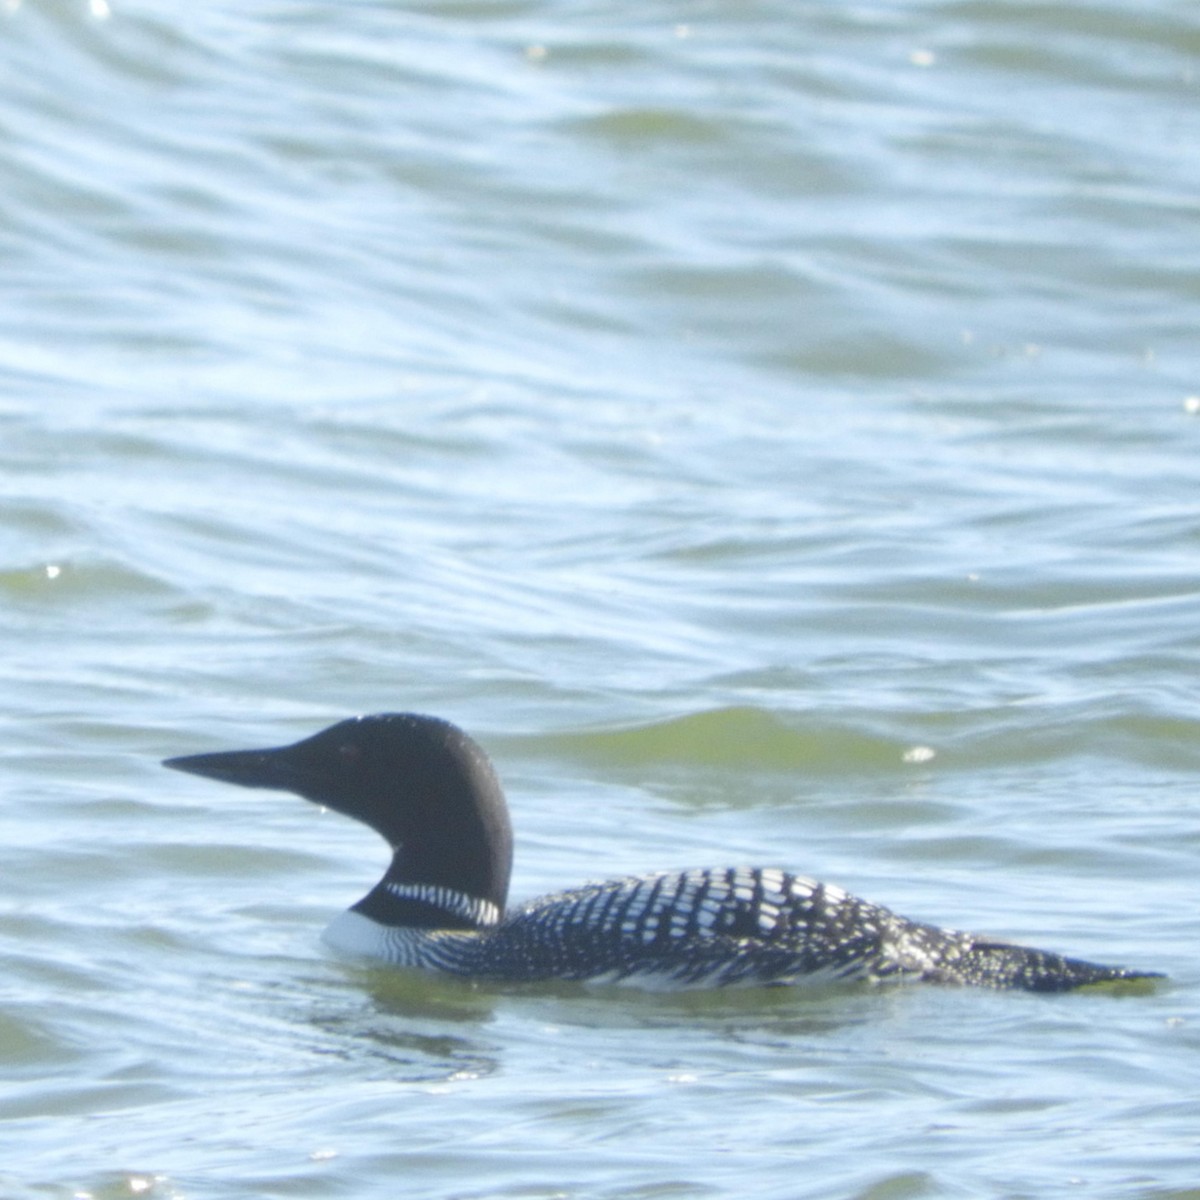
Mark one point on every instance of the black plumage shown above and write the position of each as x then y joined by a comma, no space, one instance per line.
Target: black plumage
431,792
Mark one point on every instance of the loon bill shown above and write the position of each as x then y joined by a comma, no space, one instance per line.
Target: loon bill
429,790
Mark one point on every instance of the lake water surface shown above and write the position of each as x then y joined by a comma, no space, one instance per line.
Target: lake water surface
771,428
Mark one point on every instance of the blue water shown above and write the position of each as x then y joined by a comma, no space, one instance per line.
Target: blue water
771,429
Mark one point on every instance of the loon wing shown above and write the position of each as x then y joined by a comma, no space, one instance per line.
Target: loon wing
751,926
694,928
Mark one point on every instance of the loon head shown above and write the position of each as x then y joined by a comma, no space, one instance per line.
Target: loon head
420,782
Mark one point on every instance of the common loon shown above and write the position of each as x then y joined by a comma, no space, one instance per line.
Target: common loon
432,794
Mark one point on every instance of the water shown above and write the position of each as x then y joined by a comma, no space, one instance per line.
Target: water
770,428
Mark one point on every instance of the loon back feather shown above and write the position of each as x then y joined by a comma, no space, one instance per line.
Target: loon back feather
430,791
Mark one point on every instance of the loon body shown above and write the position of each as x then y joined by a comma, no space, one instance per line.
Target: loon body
431,793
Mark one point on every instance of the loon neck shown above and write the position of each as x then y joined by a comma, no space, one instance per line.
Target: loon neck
452,862
398,904
434,797
429,885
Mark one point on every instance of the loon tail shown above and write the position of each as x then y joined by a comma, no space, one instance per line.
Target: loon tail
983,962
